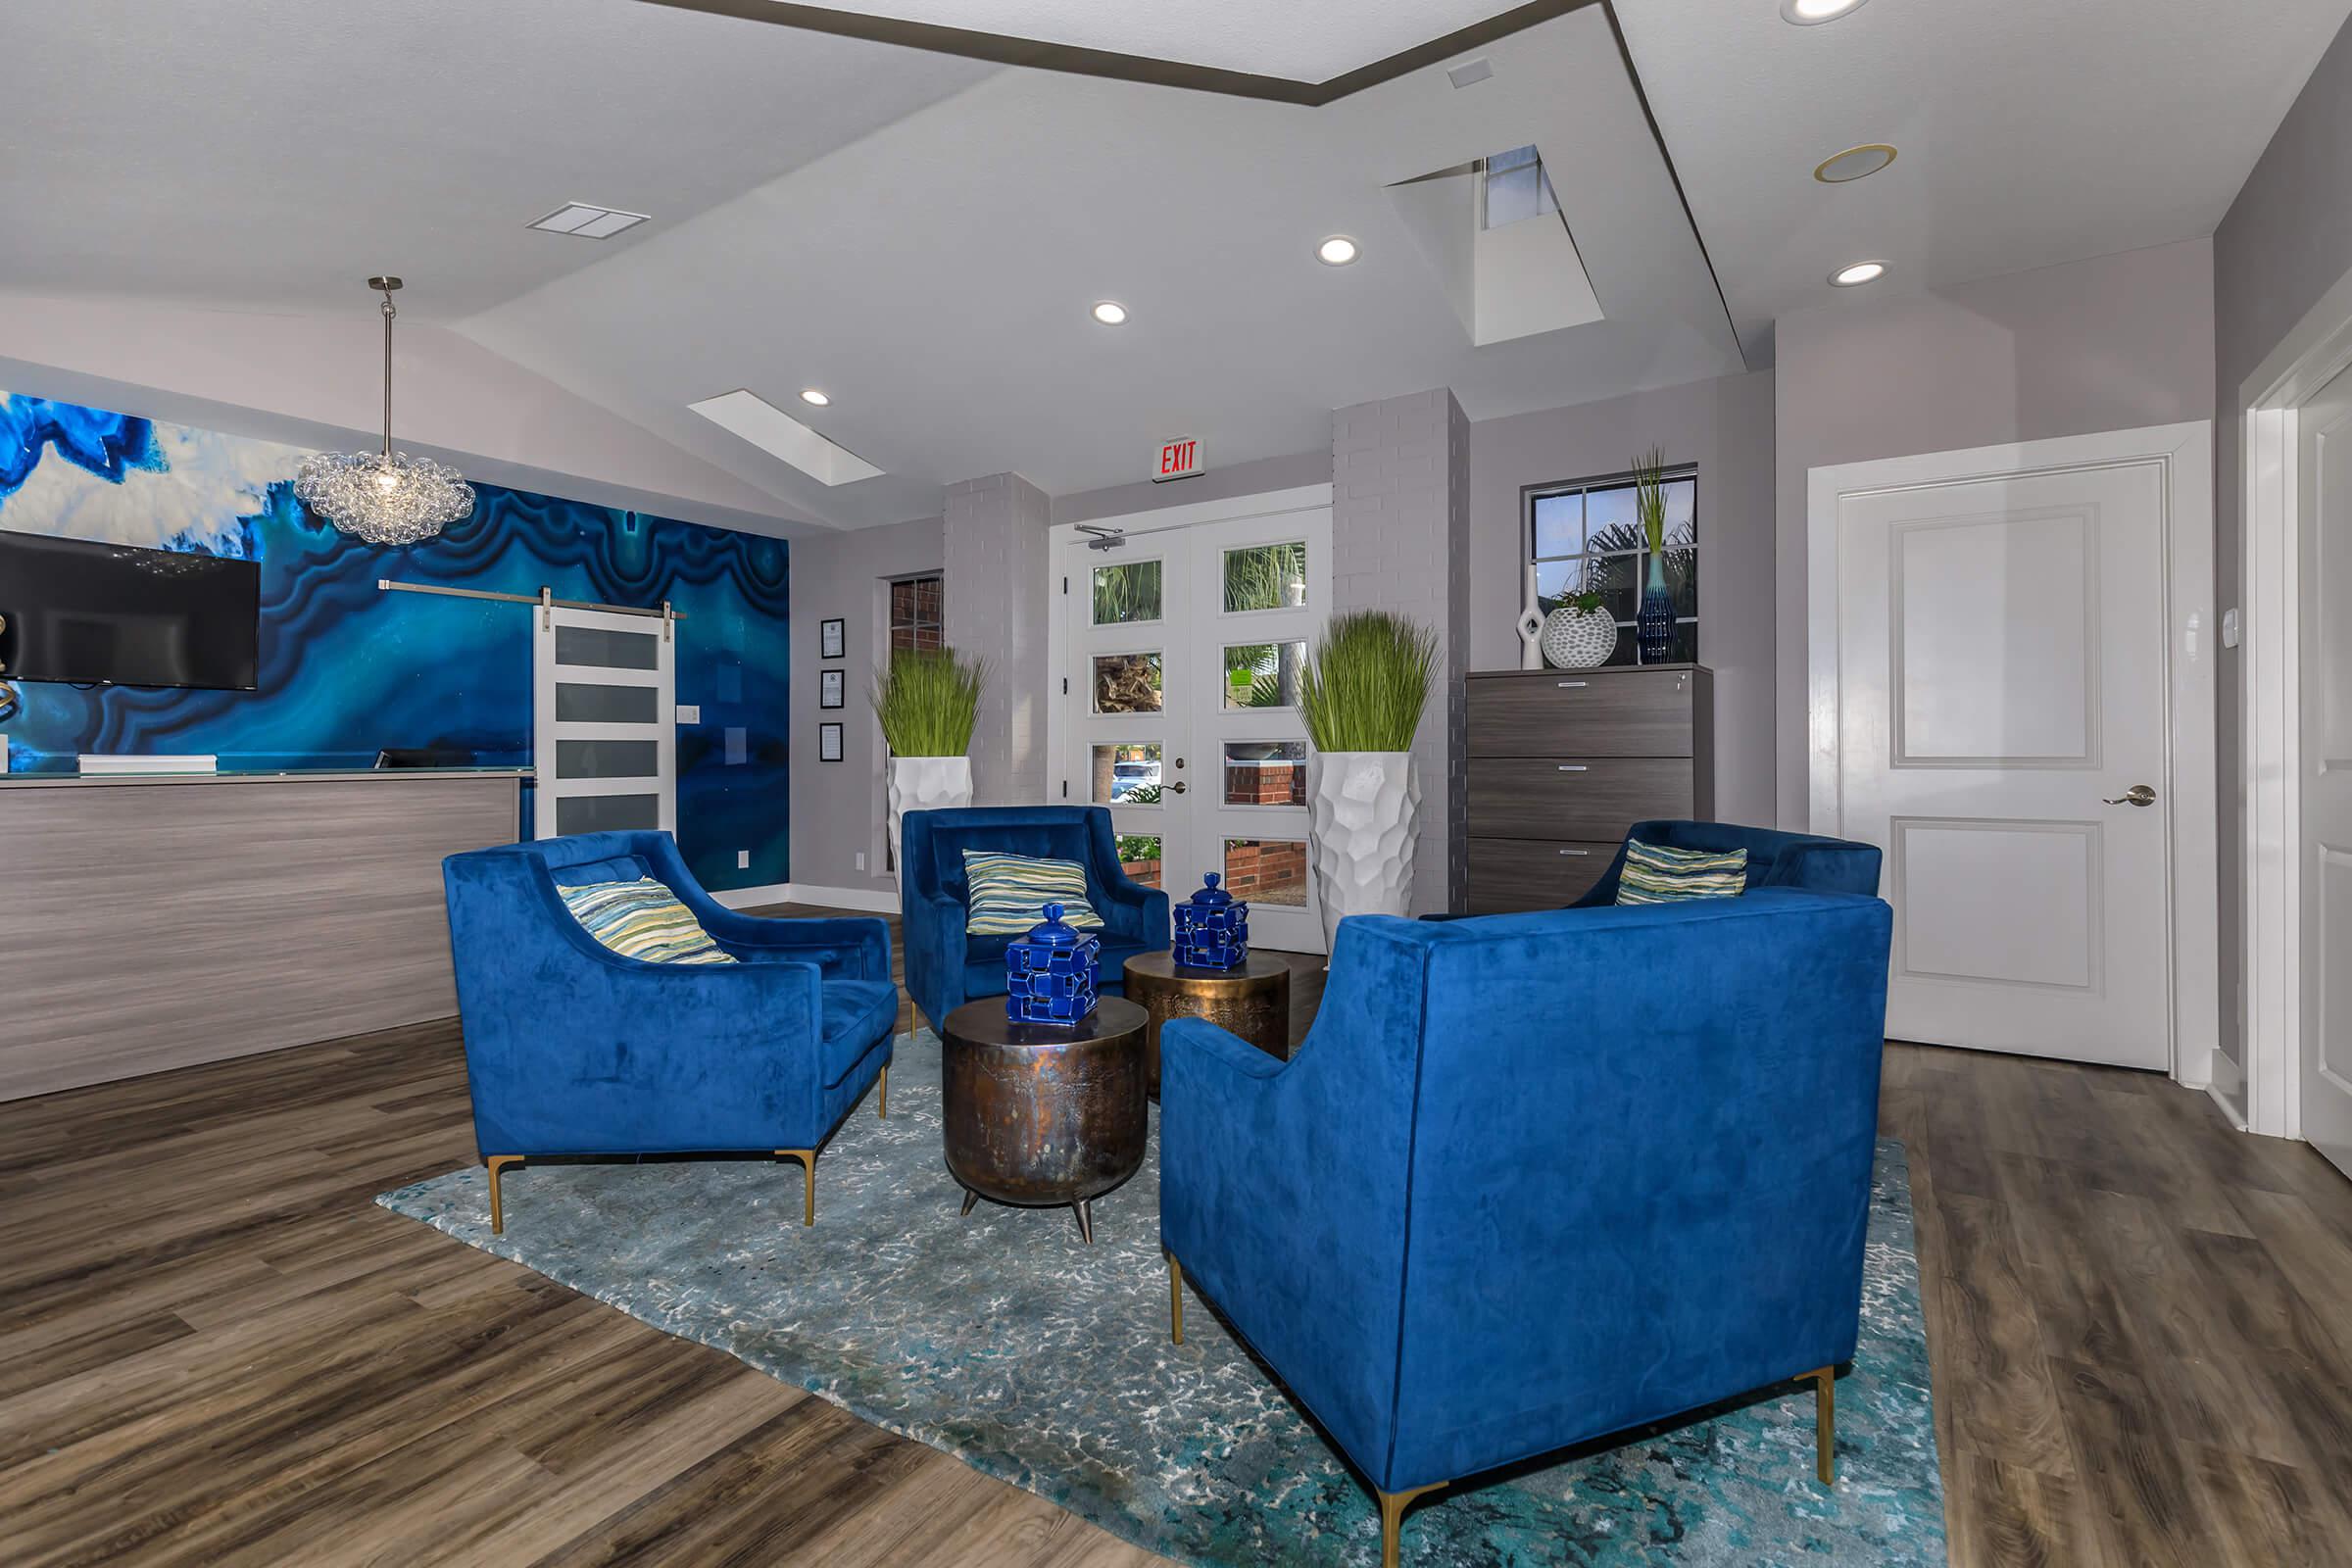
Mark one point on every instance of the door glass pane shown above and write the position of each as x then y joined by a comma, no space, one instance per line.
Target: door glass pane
1268,870
1127,683
607,814
1265,772
607,704
1263,674
1128,773
607,758
1265,577
608,650
1139,857
1129,591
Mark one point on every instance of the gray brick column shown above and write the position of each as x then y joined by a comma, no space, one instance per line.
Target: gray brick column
1400,537
994,585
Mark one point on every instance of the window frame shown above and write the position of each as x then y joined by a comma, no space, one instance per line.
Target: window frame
1672,473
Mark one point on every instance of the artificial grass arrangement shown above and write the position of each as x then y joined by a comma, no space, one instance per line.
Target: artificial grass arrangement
1366,681
928,701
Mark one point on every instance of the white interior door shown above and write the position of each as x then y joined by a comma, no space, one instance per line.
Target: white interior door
2325,493
1181,650
2000,693
604,726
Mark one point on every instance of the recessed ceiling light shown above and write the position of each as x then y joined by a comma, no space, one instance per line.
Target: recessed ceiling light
1813,13
587,221
814,398
1858,274
1337,251
1110,313
1855,163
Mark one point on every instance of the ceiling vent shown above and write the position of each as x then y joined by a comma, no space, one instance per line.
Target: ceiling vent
586,220
1470,72
772,430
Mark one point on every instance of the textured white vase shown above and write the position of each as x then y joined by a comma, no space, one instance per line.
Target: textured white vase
1579,639
1363,809
925,784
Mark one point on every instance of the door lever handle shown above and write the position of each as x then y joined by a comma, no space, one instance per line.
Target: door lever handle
2137,795
1178,786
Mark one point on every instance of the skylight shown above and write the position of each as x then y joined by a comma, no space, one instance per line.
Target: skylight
772,430
1515,188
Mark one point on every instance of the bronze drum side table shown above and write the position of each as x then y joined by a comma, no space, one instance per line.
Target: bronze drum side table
1252,1000
1038,1114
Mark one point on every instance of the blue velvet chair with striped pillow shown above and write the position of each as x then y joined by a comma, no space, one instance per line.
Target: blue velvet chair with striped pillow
947,964
1806,862
573,1048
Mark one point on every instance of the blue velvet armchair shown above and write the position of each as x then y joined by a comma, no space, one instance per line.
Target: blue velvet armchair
945,966
571,1049
1775,860
1534,1179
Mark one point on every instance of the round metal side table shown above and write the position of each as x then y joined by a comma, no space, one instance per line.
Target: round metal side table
1252,1000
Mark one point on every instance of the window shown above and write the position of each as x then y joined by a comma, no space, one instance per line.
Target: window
914,613
1514,186
1585,538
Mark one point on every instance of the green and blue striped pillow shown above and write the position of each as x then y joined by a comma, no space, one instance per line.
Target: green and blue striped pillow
643,920
1009,893
1656,874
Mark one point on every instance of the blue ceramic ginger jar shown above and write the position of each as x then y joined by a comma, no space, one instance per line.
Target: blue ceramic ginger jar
1213,928
1049,974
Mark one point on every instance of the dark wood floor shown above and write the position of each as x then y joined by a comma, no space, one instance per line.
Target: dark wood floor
215,1349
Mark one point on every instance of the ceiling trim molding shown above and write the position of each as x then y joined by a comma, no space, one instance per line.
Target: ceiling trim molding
1005,50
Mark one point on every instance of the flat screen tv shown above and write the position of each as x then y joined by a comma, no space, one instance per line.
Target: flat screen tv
79,610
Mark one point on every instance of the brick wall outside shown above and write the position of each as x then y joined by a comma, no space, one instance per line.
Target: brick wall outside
1267,784
1270,873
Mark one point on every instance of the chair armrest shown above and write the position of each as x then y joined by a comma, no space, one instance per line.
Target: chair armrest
1216,1047
853,949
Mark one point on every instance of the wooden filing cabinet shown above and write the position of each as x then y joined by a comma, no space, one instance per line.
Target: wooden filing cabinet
1562,762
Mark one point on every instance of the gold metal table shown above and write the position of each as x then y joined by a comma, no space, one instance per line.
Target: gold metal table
1254,1000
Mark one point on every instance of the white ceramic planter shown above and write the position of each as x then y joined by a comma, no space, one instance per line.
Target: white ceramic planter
1363,811
1579,639
926,784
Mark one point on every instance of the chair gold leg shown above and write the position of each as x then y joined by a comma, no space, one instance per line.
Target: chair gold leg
1392,1518
498,1213
1825,1424
882,1100
1175,1300
807,1159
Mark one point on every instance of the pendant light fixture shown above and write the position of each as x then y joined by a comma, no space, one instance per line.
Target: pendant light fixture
387,497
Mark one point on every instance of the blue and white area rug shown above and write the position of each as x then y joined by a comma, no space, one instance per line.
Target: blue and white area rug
1006,1342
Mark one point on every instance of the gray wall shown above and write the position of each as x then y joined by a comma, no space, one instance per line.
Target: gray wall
1297,469
2286,242
2113,343
837,810
995,539
1725,427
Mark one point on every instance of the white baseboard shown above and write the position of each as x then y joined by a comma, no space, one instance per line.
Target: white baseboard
878,901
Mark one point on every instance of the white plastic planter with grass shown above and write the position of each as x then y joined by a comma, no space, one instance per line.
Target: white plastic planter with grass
927,703
1361,694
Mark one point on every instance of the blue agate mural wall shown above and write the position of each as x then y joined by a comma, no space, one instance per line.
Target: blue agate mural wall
347,669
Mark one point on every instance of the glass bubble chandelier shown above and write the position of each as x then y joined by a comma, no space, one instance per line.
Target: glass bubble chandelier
387,497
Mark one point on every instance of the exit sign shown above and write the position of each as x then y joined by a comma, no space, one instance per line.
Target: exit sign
1178,460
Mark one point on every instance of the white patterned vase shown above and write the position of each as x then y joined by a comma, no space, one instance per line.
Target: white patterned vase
1579,639
925,784
1363,809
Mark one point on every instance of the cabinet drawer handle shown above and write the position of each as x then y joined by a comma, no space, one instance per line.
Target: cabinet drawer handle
1576,852
1574,685
1574,767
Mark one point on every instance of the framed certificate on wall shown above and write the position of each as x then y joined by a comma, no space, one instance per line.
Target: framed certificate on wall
832,689
829,743
833,639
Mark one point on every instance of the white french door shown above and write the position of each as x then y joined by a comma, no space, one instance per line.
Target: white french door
604,729
1177,653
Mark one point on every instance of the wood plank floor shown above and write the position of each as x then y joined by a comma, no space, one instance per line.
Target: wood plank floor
215,1349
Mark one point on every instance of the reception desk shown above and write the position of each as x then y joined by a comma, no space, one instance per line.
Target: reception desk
149,921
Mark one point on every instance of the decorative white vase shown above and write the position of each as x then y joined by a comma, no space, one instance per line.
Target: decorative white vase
925,784
1363,811
1579,639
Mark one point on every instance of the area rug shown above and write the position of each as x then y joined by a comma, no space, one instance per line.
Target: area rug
1004,1340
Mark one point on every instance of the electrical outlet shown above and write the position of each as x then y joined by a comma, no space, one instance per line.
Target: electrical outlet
690,714
743,859
860,860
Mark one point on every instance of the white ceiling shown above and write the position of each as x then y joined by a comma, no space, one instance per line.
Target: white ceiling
1302,40
2030,135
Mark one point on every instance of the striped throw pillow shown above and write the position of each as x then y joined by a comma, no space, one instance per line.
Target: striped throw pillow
1656,874
1009,893
643,920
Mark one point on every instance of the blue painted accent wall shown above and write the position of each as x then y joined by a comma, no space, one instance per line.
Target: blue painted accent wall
347,669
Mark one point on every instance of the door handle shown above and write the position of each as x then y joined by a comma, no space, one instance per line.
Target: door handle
2137,795
1178,786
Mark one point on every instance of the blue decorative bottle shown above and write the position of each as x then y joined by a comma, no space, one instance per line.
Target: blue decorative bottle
1049,974
1212,929
1654,627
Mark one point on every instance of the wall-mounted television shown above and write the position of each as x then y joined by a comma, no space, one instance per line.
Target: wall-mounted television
74,610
